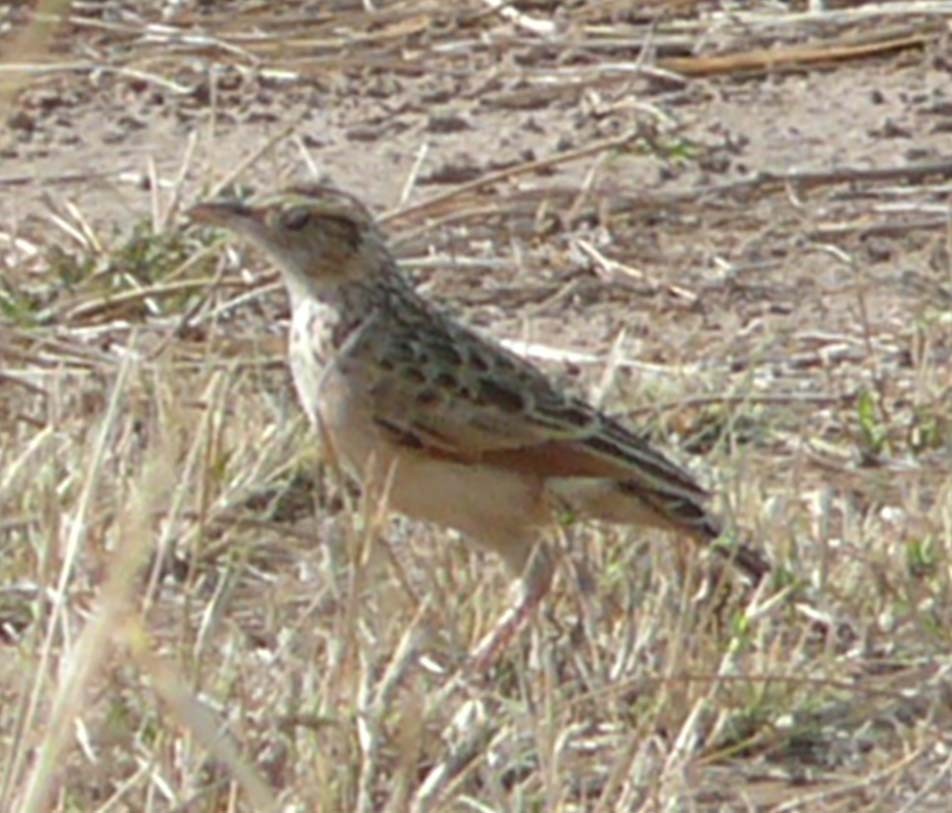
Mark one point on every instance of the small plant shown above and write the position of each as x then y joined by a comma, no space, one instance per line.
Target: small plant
18,305
873,434
930,430
921,559
148,256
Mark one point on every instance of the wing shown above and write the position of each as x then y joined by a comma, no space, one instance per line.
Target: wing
444,389
451,394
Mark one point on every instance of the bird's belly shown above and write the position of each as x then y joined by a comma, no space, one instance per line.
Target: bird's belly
499,509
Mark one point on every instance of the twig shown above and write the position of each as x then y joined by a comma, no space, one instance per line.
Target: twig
711,400
774,59
531,24
255,155
414,173
520,169
375,706
477,732
88,652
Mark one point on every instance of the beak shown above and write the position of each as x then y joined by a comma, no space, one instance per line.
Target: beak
231,214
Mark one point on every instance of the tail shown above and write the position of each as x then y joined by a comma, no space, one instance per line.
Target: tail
686,512
747,558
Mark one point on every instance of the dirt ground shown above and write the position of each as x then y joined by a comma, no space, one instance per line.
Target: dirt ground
728,222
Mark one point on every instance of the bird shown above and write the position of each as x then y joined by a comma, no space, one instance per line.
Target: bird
442,422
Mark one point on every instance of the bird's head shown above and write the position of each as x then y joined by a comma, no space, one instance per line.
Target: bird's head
319,237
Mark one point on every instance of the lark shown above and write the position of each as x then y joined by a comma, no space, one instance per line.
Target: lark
443,423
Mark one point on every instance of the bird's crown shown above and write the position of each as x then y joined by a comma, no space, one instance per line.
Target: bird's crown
318,235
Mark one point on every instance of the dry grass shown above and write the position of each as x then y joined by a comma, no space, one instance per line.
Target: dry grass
196,615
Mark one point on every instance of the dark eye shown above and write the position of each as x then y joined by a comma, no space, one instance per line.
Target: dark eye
295,219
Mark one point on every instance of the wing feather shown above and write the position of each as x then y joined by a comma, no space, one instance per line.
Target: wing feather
456,396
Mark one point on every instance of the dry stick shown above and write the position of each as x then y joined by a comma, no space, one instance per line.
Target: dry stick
9,377
75,231
788,58
711,400
760,59
765,180
912,172
65,177
58,349
89,309
196,717
306,156
862,784
83,660
760,182
610,266
585,189
257,154
190,313
617,775
533,25
930,786
414,173
90,67
213,106
179,181
562,80
862,12
889,228
281,43
182,494
644,681
521,169
476,737
377,703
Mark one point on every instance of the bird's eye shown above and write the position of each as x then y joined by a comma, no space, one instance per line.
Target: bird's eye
295,219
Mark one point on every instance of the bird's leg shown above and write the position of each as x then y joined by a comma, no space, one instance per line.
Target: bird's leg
533,585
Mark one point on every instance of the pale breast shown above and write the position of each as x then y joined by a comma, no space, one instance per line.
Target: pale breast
310,351
331,389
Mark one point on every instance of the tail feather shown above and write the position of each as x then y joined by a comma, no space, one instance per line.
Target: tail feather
682,512
631,503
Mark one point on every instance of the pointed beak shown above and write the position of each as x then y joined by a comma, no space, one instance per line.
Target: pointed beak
230,214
